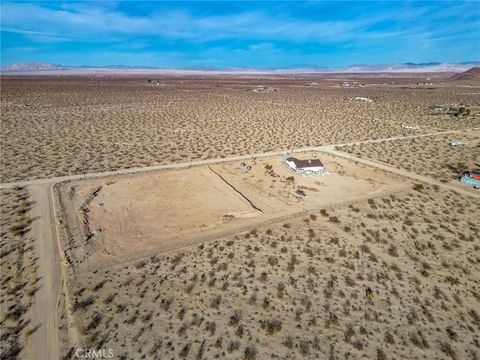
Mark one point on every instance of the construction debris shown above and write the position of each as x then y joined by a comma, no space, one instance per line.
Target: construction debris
245,166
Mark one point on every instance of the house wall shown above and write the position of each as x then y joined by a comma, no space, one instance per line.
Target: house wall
312,169
291,164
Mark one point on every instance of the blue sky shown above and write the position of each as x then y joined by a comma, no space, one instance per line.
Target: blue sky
244,33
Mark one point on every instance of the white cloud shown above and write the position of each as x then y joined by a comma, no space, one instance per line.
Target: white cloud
102,22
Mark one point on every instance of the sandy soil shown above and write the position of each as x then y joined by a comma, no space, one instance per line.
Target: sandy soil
431,156
60,126
297,289
185,267
19,279
119,217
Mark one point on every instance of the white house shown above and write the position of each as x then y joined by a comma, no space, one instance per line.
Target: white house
313,166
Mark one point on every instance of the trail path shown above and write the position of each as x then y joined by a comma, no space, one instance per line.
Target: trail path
44,343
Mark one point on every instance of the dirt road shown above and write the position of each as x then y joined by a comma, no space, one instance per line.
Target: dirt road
458,187
44,342
185,165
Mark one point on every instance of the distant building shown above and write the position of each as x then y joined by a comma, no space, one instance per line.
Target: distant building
457,143
361,98
311,166
264,89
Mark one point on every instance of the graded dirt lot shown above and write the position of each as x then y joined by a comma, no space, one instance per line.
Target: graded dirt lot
116,218
54,126
297,289
433,156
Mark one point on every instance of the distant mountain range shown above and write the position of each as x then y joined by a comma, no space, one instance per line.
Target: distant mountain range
472,74
38,67
31,67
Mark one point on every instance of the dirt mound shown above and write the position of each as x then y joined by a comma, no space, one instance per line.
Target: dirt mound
472,74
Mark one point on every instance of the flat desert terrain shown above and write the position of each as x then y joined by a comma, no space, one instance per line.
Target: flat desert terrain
296,289
117,218
209,247
433,156
19,278
56,126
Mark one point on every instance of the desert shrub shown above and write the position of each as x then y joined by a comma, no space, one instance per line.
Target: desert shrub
331,319
97,318
417,338
250,353
233,346
304,347
272,326
84,303
389,339
185,350
272,260
216,301
266,302
288,342
358,344
235,318
349,281
240,330
211,327
365,248
349,333
393,251
381,354
418,187
447,349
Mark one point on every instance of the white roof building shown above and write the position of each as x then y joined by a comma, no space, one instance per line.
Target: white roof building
305,166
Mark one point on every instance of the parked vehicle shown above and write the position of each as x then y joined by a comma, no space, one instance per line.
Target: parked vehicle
471,178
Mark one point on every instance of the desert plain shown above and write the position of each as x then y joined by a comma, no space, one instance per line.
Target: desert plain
140,217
